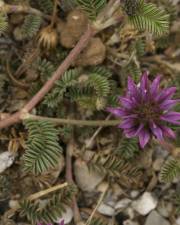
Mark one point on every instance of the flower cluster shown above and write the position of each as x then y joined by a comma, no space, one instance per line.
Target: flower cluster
146,110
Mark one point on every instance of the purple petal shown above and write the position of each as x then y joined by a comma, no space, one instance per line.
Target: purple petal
144,137
172,115
155,85
127,123
157,132
117,111
126,102
141,126
62,222
132,88
167,104
144,81
134,131
166,94
130,116
129,133
168,132
144,84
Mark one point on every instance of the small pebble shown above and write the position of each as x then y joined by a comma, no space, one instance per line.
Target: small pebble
122,204
134,194
6,160
145,203
106,210
155,219
86,179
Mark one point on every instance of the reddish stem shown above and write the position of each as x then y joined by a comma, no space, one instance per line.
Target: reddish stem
50,83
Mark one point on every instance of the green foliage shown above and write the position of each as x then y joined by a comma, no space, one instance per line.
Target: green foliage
128,148
113,165
100,84
45,69
31,26
92,7
177,202
101,71
88,90
98,221
3,23
42,148
46,5
57,94
51,209
134,70
150,18
139,47
170,170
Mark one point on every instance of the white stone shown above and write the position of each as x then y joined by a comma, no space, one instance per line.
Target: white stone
66,216
178,221
134,194
6,160
155,219
86,179
122,204
13,204
106,210
145,203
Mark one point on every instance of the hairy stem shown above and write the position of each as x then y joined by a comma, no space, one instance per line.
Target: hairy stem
50,83
59,121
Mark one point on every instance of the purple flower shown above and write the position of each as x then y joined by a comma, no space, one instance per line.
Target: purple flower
146,109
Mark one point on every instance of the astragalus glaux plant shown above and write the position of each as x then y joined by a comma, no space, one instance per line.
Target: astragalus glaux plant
144,112
146,109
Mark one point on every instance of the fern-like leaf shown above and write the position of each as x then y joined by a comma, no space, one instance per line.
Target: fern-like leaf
150,18
177,202
128,148
100,84
50,210
46,5
31,26
114,166
3,23
98,221
92,7
45,68
43,150
101,71
68,79
170,170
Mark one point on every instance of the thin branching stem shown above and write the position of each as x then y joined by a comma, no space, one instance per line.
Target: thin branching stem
17,117
60,121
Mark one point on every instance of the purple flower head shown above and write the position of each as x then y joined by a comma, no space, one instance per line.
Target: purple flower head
146,109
